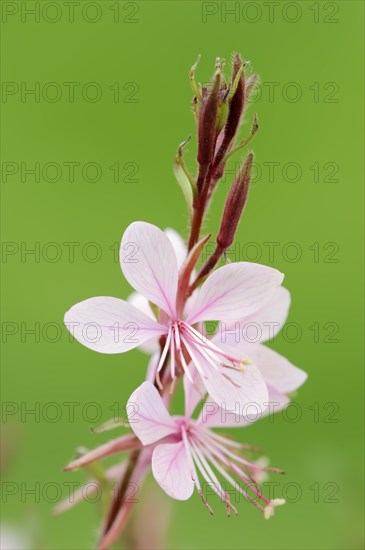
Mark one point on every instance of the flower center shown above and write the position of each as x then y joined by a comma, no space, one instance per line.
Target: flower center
185,343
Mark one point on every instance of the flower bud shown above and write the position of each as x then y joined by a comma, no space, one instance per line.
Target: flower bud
236,106
222,114
207,131
235,203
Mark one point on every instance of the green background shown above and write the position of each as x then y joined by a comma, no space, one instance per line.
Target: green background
322,458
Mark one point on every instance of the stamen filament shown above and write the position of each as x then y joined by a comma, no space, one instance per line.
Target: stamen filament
185,366
165,350
208,344
194,359
222,454
172,359
177,338
224,494
194,476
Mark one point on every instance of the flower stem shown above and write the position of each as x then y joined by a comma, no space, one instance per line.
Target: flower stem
122,489
199,207
121,494
207,267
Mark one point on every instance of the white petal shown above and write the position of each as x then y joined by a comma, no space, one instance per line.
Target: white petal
260,326
277,371
212,416
141,303
148,416
110,325
234,291
193,391
170,467
235,390
152,366
149,264
178,245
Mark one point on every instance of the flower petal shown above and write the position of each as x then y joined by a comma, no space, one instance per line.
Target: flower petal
260,326
277,371
110,325
193,391
141,303
148,416
234,291
149,264
234,390
212,416
178,245
170,467
152,366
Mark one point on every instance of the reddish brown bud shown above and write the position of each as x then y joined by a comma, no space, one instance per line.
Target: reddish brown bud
207,133
235,203
236,107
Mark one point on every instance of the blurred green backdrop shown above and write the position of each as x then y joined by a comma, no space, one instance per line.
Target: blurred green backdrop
110,104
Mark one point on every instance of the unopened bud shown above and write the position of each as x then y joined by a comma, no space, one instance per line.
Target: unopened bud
236,100
222,114
207,131
235,203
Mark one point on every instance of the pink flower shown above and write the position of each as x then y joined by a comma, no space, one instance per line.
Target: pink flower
187,452
246,338
149,263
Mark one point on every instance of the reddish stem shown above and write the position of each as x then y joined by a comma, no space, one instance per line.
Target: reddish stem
122,489
199,208
119,498
208,266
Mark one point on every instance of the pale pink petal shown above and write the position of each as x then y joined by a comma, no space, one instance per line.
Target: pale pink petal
152,366
171,470
151,346
149,264
277,402
110,325
212,416
124,443
151,376
260,326
178,245
141,303
148,416
234,390
277,371
193,391
234,291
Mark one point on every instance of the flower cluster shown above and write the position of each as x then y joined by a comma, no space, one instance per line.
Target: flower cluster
228,381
